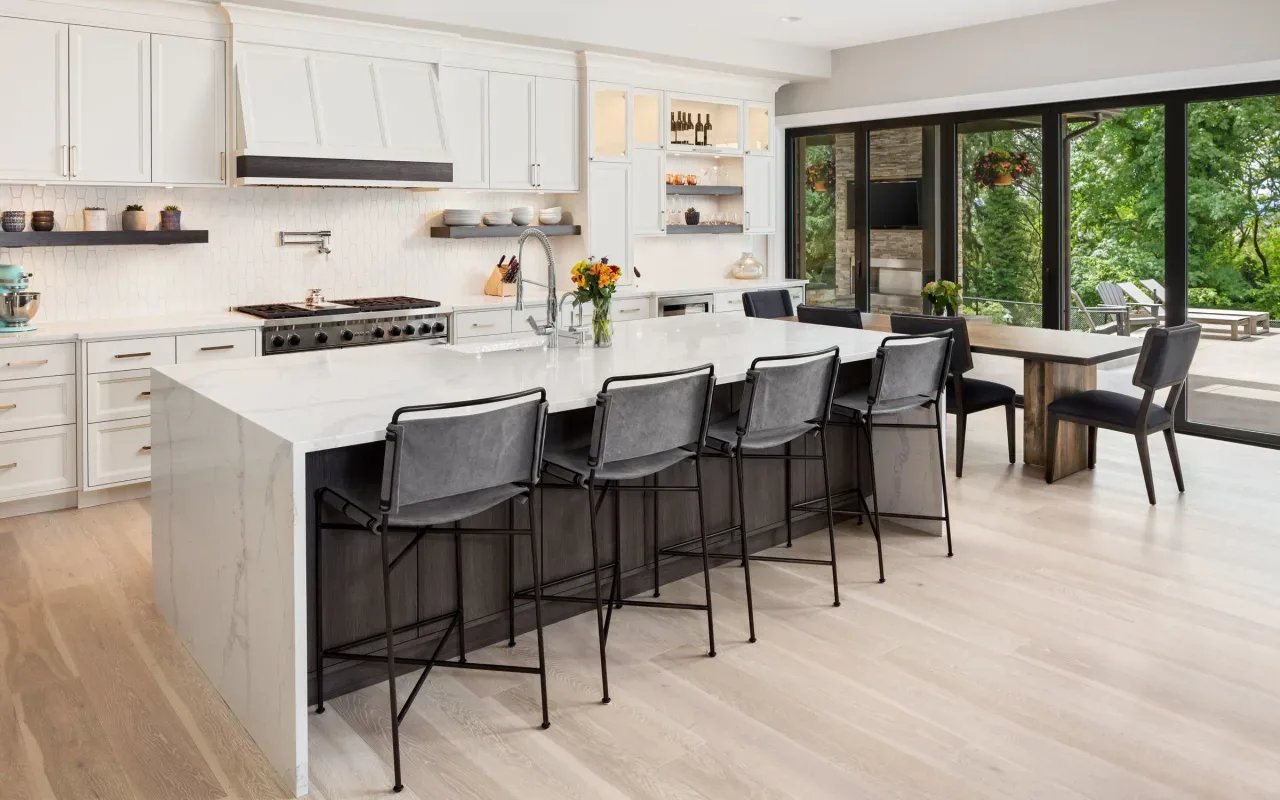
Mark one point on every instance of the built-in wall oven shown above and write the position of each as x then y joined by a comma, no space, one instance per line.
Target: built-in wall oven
681,304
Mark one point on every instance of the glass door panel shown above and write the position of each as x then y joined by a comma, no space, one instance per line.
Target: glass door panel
819,223
759,128
609,122
648,129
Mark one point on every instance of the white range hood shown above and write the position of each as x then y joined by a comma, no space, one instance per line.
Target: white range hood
345,104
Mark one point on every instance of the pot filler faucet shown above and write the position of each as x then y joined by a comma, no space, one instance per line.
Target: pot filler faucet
551,329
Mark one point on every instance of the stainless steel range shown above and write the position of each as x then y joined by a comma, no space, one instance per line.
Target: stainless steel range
319,324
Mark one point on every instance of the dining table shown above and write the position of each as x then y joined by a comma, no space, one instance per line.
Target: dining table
1055,363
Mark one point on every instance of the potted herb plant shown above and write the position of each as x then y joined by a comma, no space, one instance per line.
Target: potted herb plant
595,282
1003,168
691,216
133,218
95,219
943,295
171,218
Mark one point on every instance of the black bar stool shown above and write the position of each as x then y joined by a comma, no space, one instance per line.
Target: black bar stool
784,399
439,470
643,425
909,372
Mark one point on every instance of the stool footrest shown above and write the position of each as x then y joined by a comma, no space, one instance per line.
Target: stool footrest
604,601
435,662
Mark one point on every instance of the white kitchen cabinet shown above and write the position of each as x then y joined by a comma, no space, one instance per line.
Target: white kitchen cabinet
609,213
758,194
511,153
188,110
33,137
110,91
650,127
464,96
648,193
758,123
556,134
119,451
37,461
609,112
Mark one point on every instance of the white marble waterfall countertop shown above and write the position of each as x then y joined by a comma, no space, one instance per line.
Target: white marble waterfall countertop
342,397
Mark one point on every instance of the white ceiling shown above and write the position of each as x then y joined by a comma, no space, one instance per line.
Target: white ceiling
741,33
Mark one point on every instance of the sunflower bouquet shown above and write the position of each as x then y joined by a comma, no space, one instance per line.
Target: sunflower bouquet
595,282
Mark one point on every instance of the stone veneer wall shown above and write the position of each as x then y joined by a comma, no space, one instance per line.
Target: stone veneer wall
897,154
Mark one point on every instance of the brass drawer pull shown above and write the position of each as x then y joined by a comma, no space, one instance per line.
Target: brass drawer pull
146,448
8,406
132,355
39,362
144,394
10,465
217,347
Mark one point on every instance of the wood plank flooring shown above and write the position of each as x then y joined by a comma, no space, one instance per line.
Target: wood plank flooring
1080,645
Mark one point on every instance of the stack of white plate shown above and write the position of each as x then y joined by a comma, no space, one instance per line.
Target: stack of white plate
497,218
461,216
549,216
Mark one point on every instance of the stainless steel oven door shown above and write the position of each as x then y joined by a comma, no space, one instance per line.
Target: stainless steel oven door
679,305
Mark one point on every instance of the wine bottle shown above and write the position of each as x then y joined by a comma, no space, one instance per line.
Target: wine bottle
706,131
698,132
674,129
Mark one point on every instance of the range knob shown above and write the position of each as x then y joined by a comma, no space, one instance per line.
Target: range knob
321,337
277,341
347,335
378,333
438,328
395,330
294,340
409,330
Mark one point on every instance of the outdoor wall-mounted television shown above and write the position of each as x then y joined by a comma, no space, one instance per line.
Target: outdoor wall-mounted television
894,204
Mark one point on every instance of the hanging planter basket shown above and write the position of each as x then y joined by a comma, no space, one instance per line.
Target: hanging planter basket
1003,168
818,177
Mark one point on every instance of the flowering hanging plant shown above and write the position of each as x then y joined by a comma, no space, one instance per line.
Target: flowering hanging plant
593,280
818,177
1003,168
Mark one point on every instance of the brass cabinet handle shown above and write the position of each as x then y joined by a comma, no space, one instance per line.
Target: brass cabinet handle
8,406
146,448
144,394
39,362
75,160
486,325
10,465
66,160
132,355
222,166
213,347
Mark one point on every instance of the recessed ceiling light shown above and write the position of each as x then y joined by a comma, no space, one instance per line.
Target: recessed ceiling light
789,19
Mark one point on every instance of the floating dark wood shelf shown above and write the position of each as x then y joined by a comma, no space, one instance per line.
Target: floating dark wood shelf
96,238
714,190
674,229
499,231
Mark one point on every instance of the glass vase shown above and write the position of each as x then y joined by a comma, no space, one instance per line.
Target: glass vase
601,324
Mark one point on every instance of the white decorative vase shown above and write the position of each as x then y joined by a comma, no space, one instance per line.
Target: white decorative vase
95,219
748,268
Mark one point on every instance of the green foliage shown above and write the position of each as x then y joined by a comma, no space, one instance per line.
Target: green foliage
820,221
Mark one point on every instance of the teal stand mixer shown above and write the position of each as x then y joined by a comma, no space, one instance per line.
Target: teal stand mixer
17,305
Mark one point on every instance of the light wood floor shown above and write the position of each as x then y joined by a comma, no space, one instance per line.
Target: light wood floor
1079,645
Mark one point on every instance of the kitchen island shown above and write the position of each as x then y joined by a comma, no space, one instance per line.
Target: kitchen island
238,447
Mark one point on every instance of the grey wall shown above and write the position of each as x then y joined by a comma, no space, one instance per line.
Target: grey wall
1095,43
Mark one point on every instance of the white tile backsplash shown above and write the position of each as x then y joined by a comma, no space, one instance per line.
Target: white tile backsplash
380,246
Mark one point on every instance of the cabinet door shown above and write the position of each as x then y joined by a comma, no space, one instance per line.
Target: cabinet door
648,193
556,135
757,194
609,121
33,136
188,110
650,128
609,213
464,95
759,128
511,131
110,106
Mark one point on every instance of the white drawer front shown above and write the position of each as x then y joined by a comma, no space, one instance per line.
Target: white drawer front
37,402
122,354
37,360
483,323
118,395
727,303
37,461
119,451
196,347
630,309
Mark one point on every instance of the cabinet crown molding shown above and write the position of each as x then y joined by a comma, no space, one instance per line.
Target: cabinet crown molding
175,17
649,74
253,25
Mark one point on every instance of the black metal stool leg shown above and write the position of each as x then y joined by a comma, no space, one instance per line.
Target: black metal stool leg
657,579
873,511
742,530
595,574
946,507
457,593
317,510
511,572
786,482
616,591
831,518
857,465
706,562
535,540
391,663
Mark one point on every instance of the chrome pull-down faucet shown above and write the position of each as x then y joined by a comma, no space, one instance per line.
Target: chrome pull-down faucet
552,327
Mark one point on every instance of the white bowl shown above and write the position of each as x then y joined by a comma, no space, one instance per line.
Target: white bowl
461,216
497,218
522,215
550,216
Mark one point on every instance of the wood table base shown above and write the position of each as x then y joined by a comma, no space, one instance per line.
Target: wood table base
1044,382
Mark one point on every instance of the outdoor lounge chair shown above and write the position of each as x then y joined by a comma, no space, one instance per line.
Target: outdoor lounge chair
1259,319
1235,320
1140,315
1119,323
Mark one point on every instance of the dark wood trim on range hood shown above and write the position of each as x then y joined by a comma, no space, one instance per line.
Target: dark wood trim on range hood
341,169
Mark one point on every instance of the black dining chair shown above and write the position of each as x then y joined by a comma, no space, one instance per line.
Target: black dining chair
829,315
768,304
965,396
1163,363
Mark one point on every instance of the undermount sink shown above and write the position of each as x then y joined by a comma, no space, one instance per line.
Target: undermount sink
504,346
